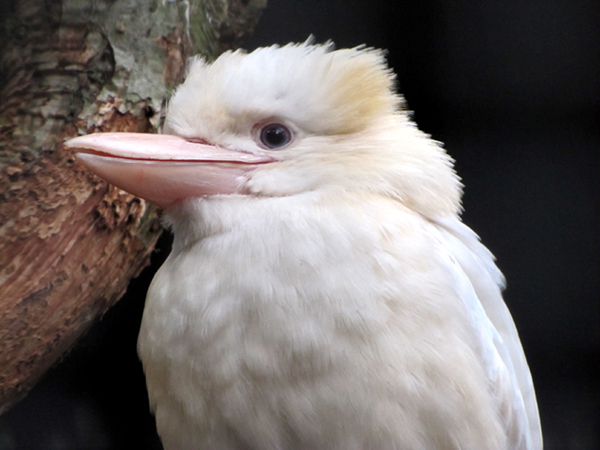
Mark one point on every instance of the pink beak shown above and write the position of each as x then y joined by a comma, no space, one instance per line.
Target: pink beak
164,169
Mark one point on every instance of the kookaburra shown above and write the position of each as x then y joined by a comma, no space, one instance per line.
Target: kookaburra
322,292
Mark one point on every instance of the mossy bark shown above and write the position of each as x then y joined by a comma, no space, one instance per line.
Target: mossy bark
69,242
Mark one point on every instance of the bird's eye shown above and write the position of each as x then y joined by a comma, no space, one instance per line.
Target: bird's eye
275,135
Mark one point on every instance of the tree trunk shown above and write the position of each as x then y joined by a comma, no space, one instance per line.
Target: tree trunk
69,242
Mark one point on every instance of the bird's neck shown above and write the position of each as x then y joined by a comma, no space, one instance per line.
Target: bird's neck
197,218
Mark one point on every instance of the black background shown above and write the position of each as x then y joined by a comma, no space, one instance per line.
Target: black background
512,88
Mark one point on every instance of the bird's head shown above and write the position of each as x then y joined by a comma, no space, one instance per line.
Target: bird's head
281,121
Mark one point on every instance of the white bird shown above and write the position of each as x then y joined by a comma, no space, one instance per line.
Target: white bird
322,292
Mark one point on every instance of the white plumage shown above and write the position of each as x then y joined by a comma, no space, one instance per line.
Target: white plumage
323,293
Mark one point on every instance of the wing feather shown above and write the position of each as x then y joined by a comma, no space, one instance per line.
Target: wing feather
502,350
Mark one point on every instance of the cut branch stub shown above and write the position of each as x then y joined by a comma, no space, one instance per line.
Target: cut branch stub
69,242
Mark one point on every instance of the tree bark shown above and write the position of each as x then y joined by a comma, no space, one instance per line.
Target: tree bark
69,242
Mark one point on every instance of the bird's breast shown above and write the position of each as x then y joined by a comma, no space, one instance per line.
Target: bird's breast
275,292
302,318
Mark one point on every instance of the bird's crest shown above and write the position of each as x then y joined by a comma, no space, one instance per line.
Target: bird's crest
323,91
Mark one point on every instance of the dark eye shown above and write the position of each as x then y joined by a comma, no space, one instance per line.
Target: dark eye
275,135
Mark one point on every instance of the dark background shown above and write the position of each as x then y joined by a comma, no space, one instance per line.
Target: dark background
512,88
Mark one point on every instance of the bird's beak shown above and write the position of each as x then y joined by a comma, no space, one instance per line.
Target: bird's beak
164,169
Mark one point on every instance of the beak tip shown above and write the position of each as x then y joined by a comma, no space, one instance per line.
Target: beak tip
75,142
